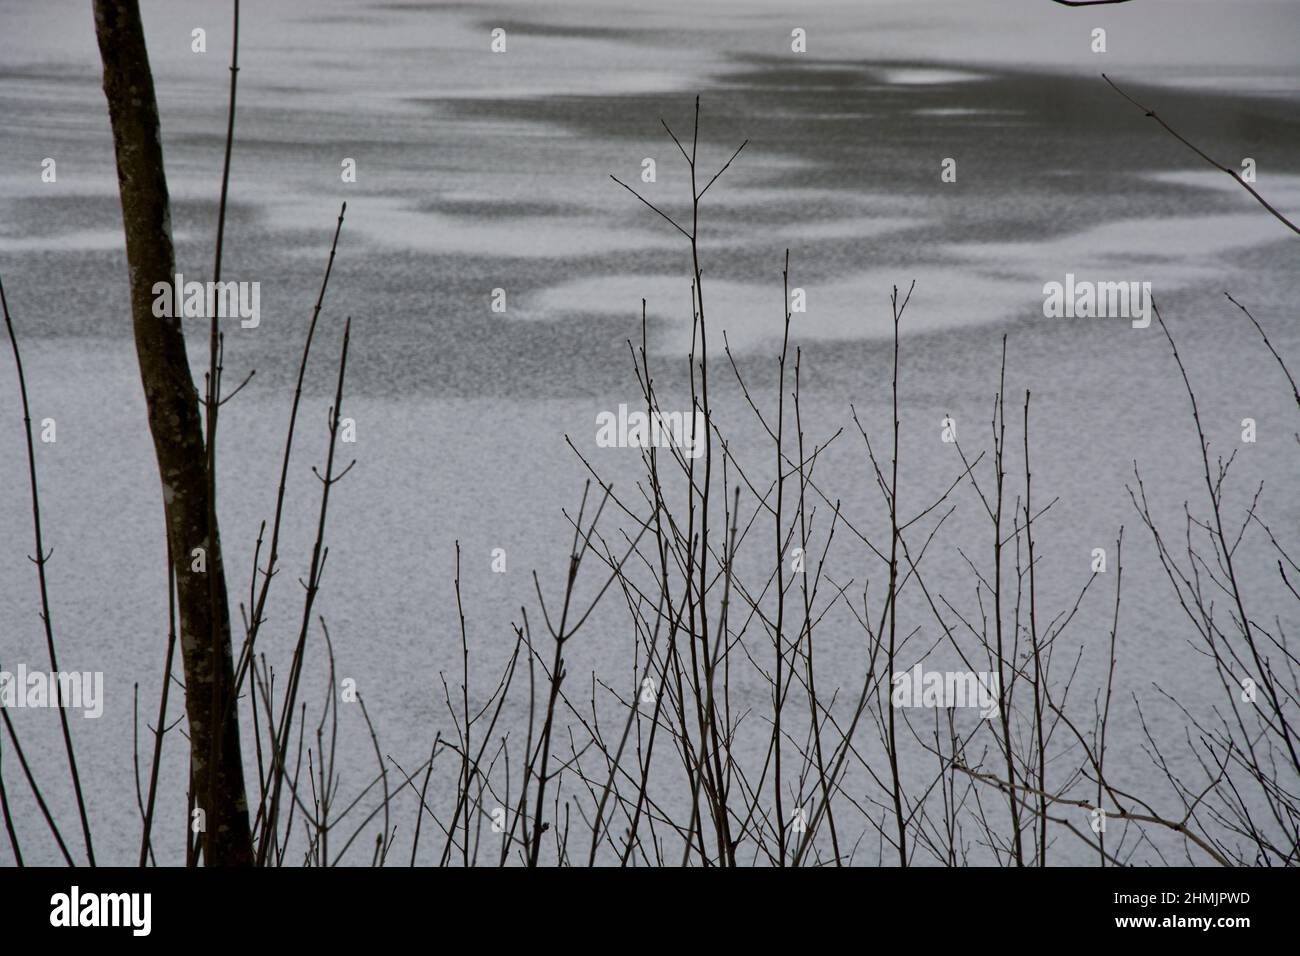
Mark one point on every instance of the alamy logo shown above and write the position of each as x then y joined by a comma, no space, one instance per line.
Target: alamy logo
638,429
921,688
74,908
1103,300
206,300
77,690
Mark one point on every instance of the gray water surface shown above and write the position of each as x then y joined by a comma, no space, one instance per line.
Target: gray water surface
479,171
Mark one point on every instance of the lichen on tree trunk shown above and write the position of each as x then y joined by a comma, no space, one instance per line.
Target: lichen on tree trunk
176,425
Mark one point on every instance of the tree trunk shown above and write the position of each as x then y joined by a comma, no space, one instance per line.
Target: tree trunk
174,420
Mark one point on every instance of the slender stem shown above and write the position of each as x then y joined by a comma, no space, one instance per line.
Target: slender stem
40,560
